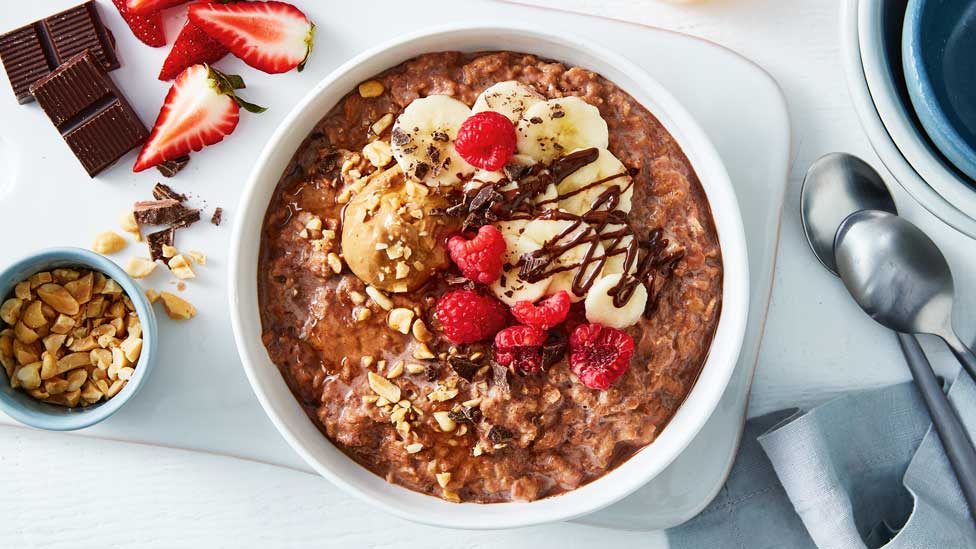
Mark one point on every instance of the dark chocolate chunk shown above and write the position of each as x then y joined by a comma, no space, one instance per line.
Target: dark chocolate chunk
165,192
158,212
217,215
464,367
169,168
432,372
440,136
90,113
35,50
498,434
157,240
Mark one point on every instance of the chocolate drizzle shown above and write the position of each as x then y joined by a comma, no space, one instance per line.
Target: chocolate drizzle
645,262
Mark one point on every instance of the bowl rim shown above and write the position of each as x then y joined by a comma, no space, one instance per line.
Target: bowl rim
933,182
63,419
939,127
691,415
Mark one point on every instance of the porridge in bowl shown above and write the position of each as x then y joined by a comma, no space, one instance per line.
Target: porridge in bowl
489,277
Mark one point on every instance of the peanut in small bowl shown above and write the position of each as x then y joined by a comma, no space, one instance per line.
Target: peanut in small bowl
36,392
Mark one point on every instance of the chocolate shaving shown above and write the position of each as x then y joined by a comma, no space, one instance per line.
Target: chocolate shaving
464,367
440,136
552,353
165,192
399,137
500,376
157,240
464,414
169,168
217,215
421,170
498,434
432,372
514,172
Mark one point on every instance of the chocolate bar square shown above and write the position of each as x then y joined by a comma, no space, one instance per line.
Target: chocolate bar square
33,51
90,112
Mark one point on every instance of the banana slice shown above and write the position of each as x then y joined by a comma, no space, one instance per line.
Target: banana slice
510,288
615,263
423,140
607,170
600,308
509,98
553,128
548,233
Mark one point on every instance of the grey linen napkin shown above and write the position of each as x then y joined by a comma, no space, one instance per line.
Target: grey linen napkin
864,470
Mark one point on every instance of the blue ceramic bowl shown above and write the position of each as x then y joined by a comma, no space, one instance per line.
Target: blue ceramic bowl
18,404
938,49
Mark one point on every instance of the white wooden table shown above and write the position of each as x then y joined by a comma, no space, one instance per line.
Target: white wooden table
817,343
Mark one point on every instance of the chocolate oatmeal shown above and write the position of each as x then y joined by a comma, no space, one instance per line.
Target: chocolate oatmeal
489,277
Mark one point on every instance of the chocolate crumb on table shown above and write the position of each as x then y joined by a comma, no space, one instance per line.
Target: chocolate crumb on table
33,51
217,215
91,114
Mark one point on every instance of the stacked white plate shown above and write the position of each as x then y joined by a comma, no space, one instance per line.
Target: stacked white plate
872,42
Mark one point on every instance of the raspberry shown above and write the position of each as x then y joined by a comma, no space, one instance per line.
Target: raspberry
467,316
548,313
520,348
486,140
480,259
599,355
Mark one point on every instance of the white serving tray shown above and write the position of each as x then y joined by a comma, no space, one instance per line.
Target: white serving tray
198,397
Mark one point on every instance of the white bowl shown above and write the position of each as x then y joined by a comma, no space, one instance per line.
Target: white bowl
285,411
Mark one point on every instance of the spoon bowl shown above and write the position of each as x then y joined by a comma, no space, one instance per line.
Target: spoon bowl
837,185
895,272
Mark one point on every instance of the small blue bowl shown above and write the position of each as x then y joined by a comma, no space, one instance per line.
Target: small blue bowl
938,51
21,406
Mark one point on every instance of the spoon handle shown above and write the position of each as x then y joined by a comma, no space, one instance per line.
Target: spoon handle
959,449
962,352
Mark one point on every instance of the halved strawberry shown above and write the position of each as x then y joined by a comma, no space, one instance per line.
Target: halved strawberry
270,36
200,109
147,28
192,47
145,7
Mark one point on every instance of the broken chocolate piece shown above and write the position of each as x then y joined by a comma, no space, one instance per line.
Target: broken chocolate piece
169,168
157,240
165,192
217,215
90,113
35,50
464,367
161,212
188,218
498,434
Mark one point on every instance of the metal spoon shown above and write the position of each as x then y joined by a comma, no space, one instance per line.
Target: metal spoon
835,186
901,279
